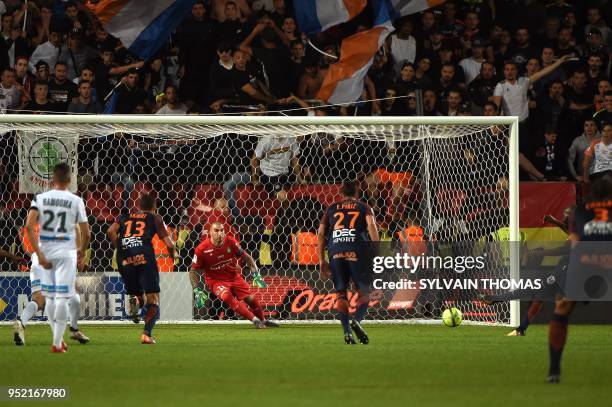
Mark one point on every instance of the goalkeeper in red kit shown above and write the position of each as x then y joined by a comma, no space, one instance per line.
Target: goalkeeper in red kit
217,258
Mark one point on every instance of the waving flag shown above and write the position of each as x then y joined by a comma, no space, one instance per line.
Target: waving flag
344,80
318,15
143,26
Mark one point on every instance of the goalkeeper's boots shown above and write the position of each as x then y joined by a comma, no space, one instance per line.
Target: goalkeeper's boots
349,340
270,324
134,309
19,335
259,324
360,332
147,340
79,336
516,332
553,378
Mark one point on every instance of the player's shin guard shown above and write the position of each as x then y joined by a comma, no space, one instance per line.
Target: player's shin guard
151,317
255,308
238,306
362,307
61,320
50,311
28,312
342,307
557,334
74,305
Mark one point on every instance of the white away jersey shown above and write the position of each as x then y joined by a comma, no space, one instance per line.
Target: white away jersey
58,214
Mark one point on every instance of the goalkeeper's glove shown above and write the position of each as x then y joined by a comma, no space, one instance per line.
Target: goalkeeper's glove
258,280
200,297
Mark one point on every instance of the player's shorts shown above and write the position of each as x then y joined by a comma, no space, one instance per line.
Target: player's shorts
238,287
345,268
139,275
59,280
36,273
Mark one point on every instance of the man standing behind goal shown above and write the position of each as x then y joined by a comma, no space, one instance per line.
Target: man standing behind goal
57,213
345,229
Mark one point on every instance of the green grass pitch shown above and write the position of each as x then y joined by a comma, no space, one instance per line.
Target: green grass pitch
309,365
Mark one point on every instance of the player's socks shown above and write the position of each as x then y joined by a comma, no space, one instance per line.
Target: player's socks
50,311
557,334
361,311
151,317
28,312
532,311
61,321
74,305
342,307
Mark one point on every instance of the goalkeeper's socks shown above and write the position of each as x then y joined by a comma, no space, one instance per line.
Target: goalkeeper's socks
74,306
256,309
361,312
557,335
28,312
534,307
151,317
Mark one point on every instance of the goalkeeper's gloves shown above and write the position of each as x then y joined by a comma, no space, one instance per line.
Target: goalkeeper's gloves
258,280
200,297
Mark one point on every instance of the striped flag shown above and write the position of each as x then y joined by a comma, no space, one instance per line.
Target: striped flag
318,15
143,26
344,80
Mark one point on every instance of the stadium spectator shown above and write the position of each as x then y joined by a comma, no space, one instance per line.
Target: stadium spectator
23,77
61,90
107,72
453,102
598,157
447,81
550,107
130,95
594,45
172,106
401,45
12,43
10,95
250,90
421,74
575,155
49,51
85,103
522,51
549,157
565,43
547,57
233,28
471,65
512,93
430,103
595,71
480,90
274,60
77,55
405,83
603,87
311,80
604,116
580,98
220,74
40,103
196,42
219,9
596,20
289,28
500,50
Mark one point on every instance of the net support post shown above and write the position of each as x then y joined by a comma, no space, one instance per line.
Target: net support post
515,259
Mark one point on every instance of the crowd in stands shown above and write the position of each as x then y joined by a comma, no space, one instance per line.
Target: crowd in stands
547,62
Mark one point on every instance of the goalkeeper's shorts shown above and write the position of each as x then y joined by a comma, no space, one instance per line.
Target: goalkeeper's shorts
238,287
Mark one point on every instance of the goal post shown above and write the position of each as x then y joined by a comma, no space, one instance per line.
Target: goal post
441,184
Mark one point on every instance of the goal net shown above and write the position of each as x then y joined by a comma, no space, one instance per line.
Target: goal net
438,187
